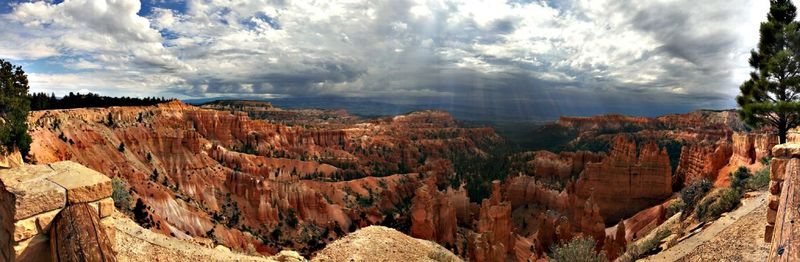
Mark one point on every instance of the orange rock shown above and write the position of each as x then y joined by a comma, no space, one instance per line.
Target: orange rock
194,168
623,183
433,216
698,161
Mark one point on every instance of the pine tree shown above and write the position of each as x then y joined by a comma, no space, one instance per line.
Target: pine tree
14,107
771,97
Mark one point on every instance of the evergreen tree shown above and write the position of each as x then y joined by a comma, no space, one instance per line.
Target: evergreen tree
771,97
14,108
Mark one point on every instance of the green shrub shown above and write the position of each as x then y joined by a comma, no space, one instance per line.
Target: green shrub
142,215
759,181
577,250
120,194
644,248
110,120
230,212
675,207
740,177
714,206
291,219
694,192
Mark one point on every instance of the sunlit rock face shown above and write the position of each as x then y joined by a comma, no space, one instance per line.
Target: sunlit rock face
703,161
625,182
10,159
433,216
255,184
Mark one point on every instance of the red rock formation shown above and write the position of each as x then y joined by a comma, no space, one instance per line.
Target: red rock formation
196,168
700,161
604,122
641,224
562,166
538,211
433,216
180,161
547,164
615,245
494,237
744,151
624,182
764,144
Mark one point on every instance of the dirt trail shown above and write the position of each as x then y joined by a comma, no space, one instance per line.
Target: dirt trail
737,236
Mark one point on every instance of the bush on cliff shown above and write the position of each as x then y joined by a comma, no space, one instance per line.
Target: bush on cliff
636,251
120,194
14,108
743,180
740,177
694,192
727,199
675,206
759,181
579,249
142,216
713,206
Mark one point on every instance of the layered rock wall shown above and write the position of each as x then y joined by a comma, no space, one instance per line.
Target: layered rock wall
744,152
433,216
626,182
32,196
784,199
494,237
785,164
701,161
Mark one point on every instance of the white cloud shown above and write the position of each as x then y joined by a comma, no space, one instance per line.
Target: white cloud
498,49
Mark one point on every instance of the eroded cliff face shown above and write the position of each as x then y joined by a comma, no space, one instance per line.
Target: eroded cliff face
259,184
433,216
631,178
703,161
494,234
550,166
255,184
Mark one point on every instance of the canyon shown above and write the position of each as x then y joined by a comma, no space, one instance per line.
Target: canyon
250,176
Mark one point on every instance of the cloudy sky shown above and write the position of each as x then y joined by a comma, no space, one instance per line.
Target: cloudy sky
537,58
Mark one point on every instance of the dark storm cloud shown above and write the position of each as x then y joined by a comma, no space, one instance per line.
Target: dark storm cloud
533,59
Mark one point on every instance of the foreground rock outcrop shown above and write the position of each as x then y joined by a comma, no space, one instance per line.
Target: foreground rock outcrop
11,159
77,235
377,243
32,196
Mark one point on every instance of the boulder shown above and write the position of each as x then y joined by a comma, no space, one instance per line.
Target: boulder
82,184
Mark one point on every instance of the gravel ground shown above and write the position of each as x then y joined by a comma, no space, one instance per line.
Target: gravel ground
742,241
737,236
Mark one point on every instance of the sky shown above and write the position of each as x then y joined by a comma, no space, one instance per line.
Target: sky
534,59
